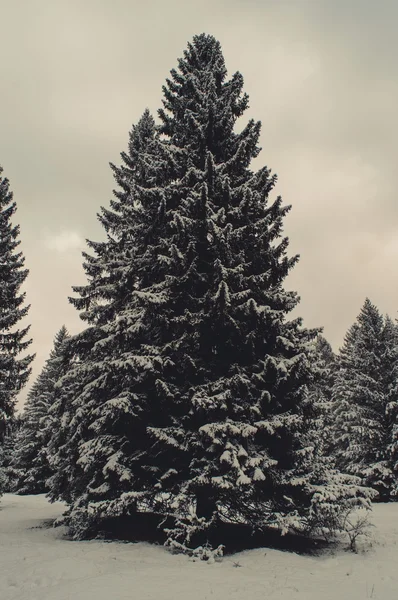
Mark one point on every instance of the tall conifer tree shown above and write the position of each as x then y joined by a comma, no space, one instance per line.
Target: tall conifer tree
194,392
14,371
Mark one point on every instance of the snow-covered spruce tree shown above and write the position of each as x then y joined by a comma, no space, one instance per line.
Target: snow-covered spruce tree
235,371
106,398
324,367
390,368
29,465
328,362
194,391
62,449
14,371
365,401
6,452
13,427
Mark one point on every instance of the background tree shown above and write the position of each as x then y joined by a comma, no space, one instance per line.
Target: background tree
364,400
388,464
325,366
13,426
14,371
327,360
29,465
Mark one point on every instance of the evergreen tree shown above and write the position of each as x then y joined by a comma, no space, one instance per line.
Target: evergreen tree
66,482
30,466
325,367
328,362
9,476
364,397
390,370
14,371
190,388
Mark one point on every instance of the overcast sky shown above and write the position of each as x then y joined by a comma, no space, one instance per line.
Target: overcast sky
322,77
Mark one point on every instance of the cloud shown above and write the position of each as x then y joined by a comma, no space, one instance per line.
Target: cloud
64,242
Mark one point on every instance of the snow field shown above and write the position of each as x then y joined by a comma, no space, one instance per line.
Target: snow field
38,563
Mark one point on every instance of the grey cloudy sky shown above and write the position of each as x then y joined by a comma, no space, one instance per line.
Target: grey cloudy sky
322,77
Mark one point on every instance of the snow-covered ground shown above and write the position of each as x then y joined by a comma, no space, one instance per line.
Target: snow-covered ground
37,563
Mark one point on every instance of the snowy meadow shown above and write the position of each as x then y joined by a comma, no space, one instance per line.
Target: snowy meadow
38,563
